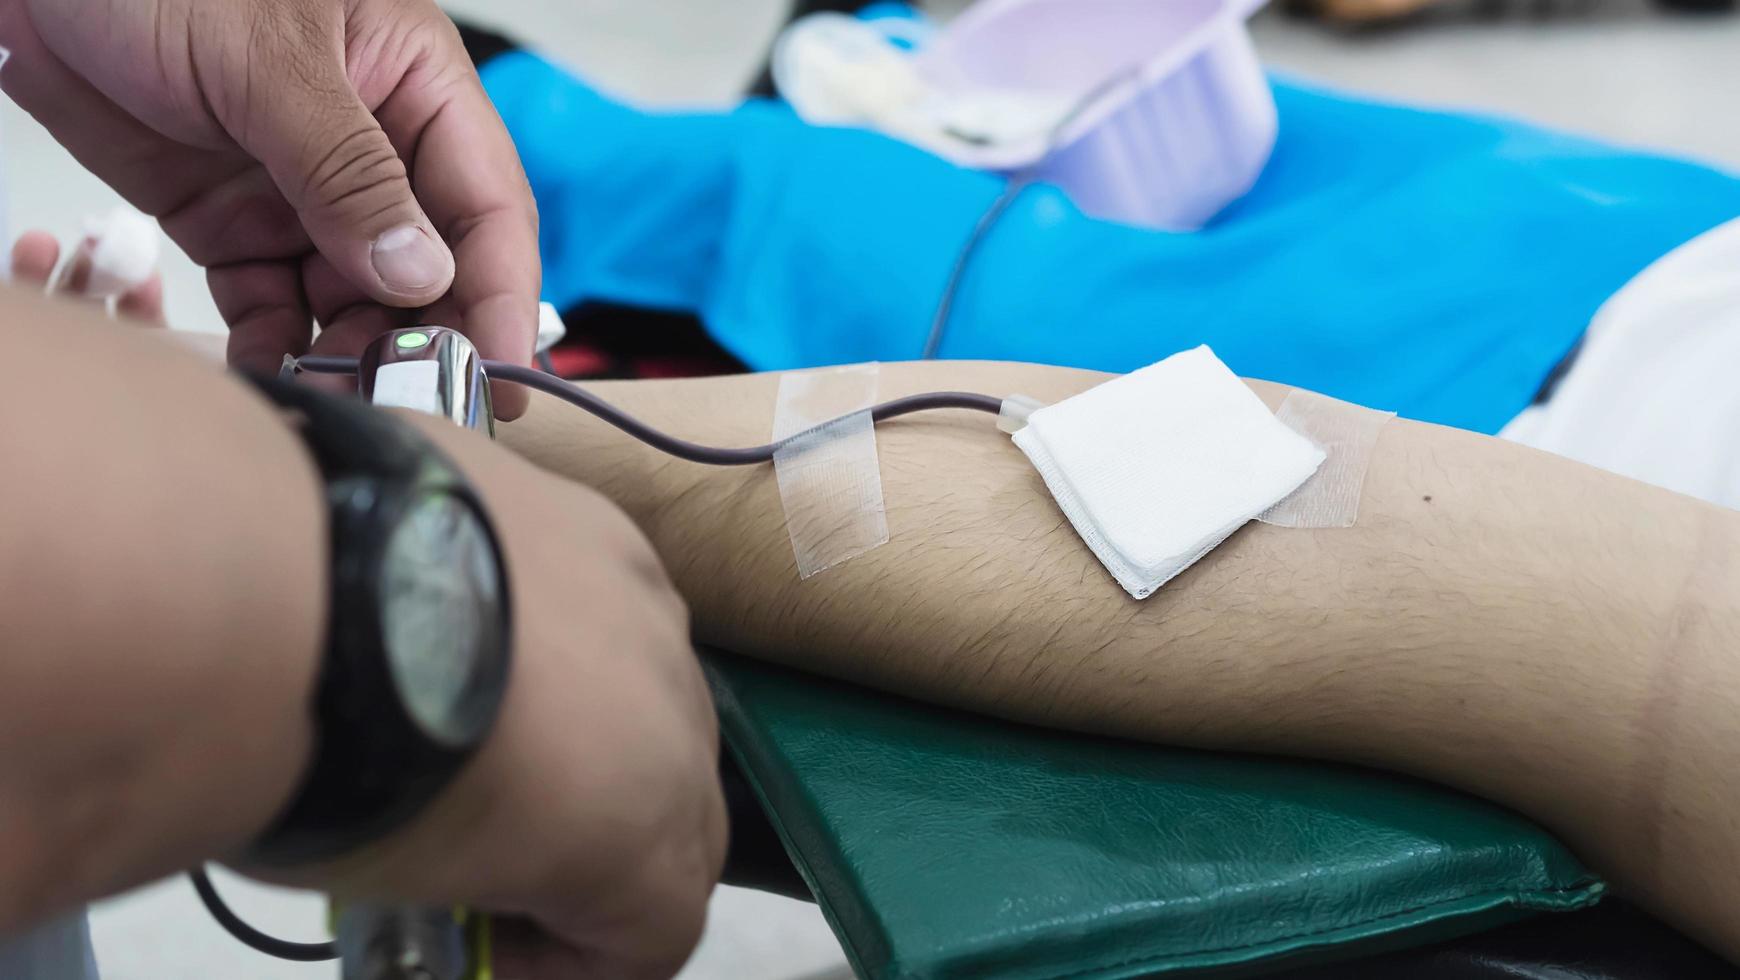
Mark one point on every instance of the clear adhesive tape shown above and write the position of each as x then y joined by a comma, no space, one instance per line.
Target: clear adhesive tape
830,480
1347,433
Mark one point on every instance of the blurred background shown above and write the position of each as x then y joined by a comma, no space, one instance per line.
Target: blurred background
1628,71
1619,69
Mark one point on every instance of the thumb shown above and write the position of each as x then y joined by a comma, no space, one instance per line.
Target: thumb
336,167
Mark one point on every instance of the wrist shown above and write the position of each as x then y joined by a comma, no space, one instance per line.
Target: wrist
418,635
295,633
174,661
417,857
264,623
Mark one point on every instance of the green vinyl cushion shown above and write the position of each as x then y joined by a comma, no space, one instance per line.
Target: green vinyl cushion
941,844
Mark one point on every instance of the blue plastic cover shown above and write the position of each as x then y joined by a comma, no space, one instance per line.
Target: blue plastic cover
1432,264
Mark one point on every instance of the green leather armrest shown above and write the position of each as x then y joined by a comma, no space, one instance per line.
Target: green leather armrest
943,845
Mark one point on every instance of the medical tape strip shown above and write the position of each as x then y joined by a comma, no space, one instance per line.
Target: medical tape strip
830,480
1347,434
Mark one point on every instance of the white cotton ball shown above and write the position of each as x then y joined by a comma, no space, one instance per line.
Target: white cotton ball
123,247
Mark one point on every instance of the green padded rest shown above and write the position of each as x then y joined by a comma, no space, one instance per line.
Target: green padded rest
941,844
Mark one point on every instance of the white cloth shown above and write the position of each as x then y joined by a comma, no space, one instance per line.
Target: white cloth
1156,468
1654,393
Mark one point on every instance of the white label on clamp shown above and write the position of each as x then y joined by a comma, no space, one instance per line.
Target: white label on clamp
415,385
830,479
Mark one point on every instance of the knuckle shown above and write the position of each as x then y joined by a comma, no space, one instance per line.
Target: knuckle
278,38
360,169
529,208
303,22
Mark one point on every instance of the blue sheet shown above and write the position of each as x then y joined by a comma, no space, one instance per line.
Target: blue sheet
1436,265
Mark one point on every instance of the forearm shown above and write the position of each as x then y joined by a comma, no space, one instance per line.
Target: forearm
162,596
1532,630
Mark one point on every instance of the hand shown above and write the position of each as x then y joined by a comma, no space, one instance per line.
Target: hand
317,157
593,813
592,818
36,254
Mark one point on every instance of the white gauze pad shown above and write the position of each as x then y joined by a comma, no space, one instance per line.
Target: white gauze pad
1156,468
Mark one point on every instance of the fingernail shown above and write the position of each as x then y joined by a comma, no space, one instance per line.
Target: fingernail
408,260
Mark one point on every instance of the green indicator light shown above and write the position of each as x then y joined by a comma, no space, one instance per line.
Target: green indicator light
412,340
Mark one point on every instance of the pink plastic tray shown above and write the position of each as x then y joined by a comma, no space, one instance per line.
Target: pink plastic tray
1175,118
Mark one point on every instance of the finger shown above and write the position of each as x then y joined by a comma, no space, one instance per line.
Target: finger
446,313
525,952
239,218
636,933
467,173
266,311
349,320
335,166
150,171
144,305
34,257
158,176
73,278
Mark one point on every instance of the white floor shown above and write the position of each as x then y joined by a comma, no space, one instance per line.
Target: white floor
1613,68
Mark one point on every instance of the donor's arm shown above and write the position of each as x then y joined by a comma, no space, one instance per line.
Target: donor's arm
1526,628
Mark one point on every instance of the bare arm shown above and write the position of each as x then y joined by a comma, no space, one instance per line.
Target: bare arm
162,597
1529,629
163,584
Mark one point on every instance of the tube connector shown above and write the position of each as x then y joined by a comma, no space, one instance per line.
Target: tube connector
1012,418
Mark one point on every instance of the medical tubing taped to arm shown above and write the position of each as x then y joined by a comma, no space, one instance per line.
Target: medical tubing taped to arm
829,475
669,444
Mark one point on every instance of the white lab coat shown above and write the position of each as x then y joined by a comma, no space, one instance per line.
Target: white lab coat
1652,394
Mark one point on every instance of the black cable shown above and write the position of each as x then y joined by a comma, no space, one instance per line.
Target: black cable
253,938
1011,190
712,456
327,364
939,323
664,442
